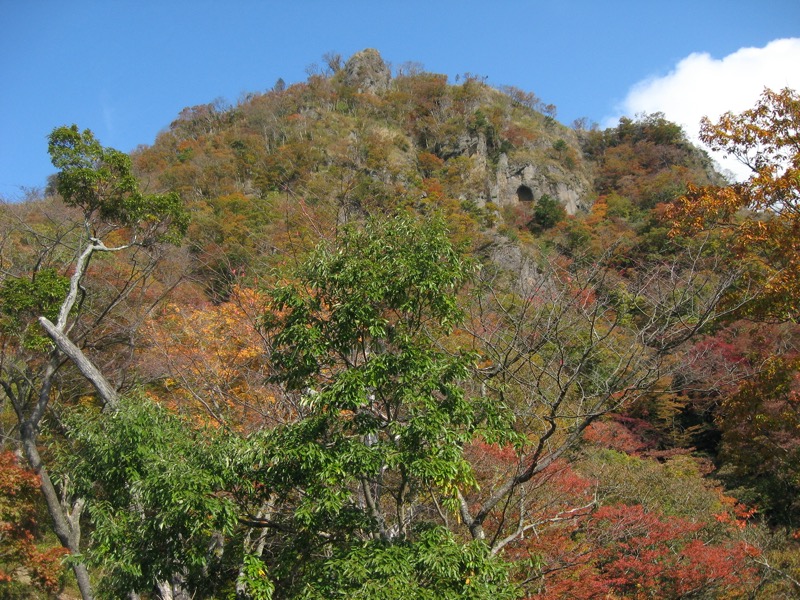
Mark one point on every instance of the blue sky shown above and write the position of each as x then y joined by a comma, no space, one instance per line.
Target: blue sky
126,69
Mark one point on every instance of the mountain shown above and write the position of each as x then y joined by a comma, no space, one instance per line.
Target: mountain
357,141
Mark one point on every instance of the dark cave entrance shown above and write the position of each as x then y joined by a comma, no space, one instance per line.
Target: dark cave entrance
524,194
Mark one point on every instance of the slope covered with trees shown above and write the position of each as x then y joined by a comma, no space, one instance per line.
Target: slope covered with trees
375,336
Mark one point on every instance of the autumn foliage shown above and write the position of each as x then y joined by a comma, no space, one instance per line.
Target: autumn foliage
624,551
208,362
765,139
23,555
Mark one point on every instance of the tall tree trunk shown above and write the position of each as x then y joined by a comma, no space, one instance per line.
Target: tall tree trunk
66,523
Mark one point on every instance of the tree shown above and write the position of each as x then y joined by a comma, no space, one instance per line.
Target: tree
98,182
386,454
570,343
349,497
765,138
159,517
629,552
547,213
760,445
208,363
101,183
356,484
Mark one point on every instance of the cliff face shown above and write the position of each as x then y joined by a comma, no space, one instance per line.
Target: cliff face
505,181
528,182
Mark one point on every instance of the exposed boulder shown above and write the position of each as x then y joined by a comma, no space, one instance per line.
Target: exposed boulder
367,72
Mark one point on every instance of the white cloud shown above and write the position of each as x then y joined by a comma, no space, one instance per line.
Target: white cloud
704,86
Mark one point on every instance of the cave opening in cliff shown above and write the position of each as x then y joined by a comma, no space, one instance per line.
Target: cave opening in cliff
524,194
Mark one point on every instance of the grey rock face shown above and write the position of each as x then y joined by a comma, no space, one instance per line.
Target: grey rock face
529,182
367,72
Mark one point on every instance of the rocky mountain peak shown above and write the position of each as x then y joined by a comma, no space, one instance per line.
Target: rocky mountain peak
367,72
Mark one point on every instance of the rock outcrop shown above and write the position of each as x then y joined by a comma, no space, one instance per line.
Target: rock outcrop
367,72
530,182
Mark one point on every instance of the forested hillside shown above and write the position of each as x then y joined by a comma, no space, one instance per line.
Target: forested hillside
381,335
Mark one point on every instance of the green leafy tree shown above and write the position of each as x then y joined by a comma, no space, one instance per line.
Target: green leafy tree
547,213
116,217
23,300
366,337
153,498
101,183
360,481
